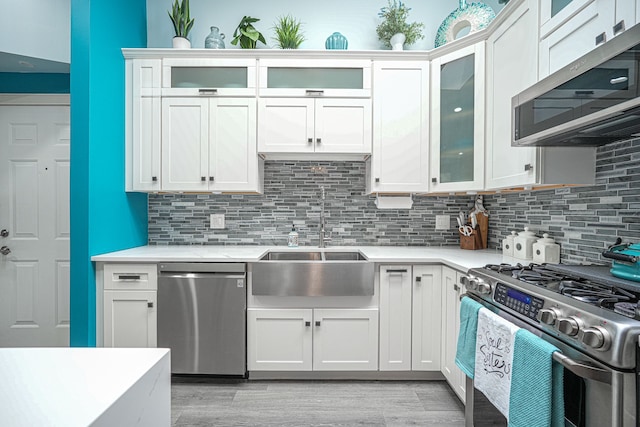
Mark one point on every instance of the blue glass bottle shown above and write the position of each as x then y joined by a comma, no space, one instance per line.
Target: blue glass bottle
336,41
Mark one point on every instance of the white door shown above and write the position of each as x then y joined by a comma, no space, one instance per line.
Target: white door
233,159
345,340
130,319
395,318
185,144
427,318
343,125
285,125
34,212
279,340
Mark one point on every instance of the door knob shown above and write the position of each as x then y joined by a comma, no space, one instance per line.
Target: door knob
4,233
5,250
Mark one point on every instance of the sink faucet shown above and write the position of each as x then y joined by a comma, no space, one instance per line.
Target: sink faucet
323,233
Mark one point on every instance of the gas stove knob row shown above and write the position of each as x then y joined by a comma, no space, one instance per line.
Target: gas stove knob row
570,325
596,337
549,316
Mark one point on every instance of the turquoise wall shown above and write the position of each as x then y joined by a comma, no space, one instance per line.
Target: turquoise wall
103,217
34,83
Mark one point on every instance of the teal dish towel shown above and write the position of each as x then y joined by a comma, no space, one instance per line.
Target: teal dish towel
537,396
466,348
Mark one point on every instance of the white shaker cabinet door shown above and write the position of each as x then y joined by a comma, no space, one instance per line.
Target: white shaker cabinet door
185,133
395,317
279,339
345,340
342,125
286,125
130,318
451,318
427,318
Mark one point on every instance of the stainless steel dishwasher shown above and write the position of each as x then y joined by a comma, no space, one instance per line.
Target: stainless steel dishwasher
202,317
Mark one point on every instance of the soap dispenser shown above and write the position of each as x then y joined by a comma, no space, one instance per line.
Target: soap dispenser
293,238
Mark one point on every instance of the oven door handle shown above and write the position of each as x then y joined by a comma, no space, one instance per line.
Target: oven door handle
584,371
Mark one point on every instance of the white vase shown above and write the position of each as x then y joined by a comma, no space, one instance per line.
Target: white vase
397,41
181,43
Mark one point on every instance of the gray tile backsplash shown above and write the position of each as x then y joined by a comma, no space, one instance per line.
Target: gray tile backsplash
292,196
584,220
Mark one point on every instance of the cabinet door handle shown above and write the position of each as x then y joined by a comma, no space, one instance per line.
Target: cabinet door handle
310,140
418,279
317,323
601,38
318,140
377,180
398,271
203,178
128,277
307,323
434,180
528,167
149,304
208,91
618,28
456,287
314,92
211,179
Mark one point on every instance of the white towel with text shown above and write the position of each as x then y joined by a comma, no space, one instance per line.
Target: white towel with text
494,358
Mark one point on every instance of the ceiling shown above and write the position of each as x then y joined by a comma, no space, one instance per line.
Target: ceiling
11,63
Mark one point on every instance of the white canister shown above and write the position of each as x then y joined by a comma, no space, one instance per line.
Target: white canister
523,244
507,244
546,250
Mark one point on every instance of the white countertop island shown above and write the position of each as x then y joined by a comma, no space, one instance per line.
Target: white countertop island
449,255
71,387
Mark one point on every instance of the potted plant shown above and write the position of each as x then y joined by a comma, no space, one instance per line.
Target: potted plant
246,34
182,24
288,32
394,24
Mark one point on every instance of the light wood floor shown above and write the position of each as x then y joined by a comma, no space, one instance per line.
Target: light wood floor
207,402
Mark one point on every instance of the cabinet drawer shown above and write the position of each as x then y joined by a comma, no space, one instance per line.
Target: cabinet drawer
131,276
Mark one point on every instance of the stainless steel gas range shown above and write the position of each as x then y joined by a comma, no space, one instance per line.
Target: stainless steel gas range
591,316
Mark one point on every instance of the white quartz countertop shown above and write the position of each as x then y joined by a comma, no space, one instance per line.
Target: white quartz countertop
449,255
71,386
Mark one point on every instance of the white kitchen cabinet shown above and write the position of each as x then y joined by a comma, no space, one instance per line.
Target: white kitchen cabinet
395,317
426,318
129,305
279,339
410,317
345,340
457,117
209,144
143,124
312,339
451,317
209,76
400,155
573,32
314,125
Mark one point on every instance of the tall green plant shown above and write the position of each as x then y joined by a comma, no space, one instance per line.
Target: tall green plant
288,32
181,19
394,21
247,34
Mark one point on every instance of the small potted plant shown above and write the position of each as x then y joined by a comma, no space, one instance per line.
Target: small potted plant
288,32
246,34
394,26
182,24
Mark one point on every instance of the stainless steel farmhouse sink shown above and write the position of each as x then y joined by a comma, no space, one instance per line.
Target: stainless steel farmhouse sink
313,273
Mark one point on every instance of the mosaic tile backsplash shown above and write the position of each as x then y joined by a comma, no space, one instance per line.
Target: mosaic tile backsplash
292,196
584,220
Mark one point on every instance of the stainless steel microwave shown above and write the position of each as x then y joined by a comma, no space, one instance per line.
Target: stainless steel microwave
593,101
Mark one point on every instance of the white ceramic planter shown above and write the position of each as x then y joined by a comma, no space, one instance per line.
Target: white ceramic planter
181,43
397,41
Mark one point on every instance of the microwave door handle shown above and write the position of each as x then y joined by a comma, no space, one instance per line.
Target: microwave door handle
583,371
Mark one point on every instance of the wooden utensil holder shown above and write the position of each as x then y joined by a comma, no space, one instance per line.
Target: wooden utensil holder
478,237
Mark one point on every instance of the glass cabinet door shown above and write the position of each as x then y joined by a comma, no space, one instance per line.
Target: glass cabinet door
457,153
208,77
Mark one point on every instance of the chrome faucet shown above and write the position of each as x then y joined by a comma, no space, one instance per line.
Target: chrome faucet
323,233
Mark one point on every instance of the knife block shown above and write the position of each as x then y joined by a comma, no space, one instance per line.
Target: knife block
478,238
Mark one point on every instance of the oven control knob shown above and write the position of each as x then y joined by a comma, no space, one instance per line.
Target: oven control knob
471,283
484,288
570,325
596,337
548,316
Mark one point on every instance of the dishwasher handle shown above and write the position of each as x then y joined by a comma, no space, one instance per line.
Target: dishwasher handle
185,275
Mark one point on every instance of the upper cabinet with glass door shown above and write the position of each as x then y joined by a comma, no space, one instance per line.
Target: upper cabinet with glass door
457,126
208,77
571,28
